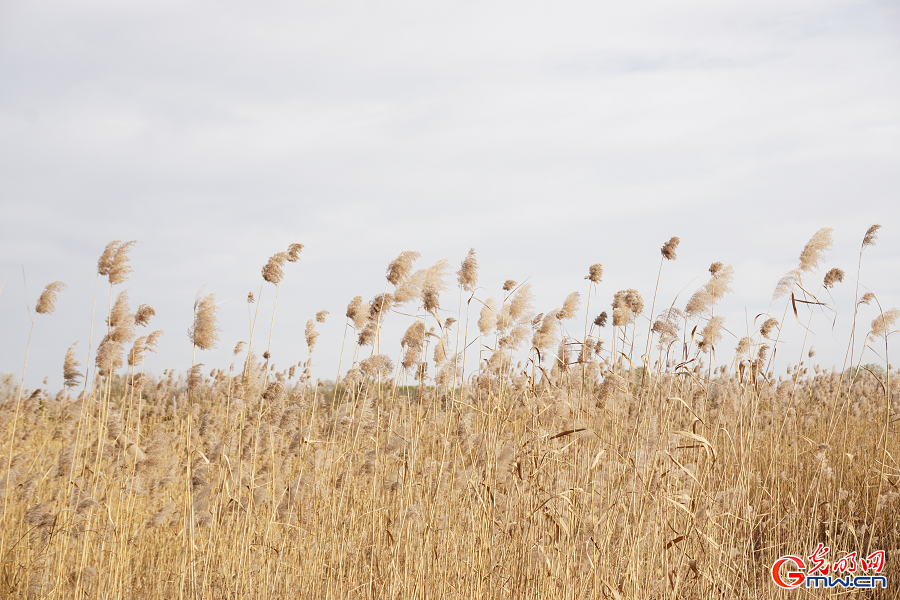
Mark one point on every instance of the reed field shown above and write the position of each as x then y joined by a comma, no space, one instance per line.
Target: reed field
603,448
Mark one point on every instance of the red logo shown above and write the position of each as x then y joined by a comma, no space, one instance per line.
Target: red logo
797,578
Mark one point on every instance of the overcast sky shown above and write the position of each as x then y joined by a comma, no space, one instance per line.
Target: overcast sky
548,136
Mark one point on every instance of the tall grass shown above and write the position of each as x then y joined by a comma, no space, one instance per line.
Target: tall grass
554,469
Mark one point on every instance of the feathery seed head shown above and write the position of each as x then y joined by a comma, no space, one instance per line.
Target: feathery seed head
119,267
570,307
109,356
413,341
711,333
545,337
399,268
320,316
434,285
487,319
627,304
882,324
520,305
293,252
430,300
867,298
143,314
379,365
46,304
467,276
379,306
195,377
120,312
363,313
833,276
871,236
668,249
562,357
366,334
509,284
238,347
353,307
766,329
815,248
786,284
703,300
204,333
152,339
273,271
274,391
761,356
250,298
70,367
136,354
600,320
311,334
104,263
595,273
666,325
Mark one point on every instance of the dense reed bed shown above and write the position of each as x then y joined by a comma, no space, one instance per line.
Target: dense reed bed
555,459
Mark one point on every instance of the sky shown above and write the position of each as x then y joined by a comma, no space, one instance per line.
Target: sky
547,136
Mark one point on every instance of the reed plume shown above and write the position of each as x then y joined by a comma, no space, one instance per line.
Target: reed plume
871,236
46,304
786,284
711,333
668,249
311,335
353,308
487,319
467,276
626,305
109,356
833,276
273,270
320,316
705,298
433,286
104,263
71,375
143,314
595,273
114,263
120,267
204,333
545,336
136,354
882,324
152,340
413,341
293,252
815,248
400,267
570,306
377,366
766,328
509,284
